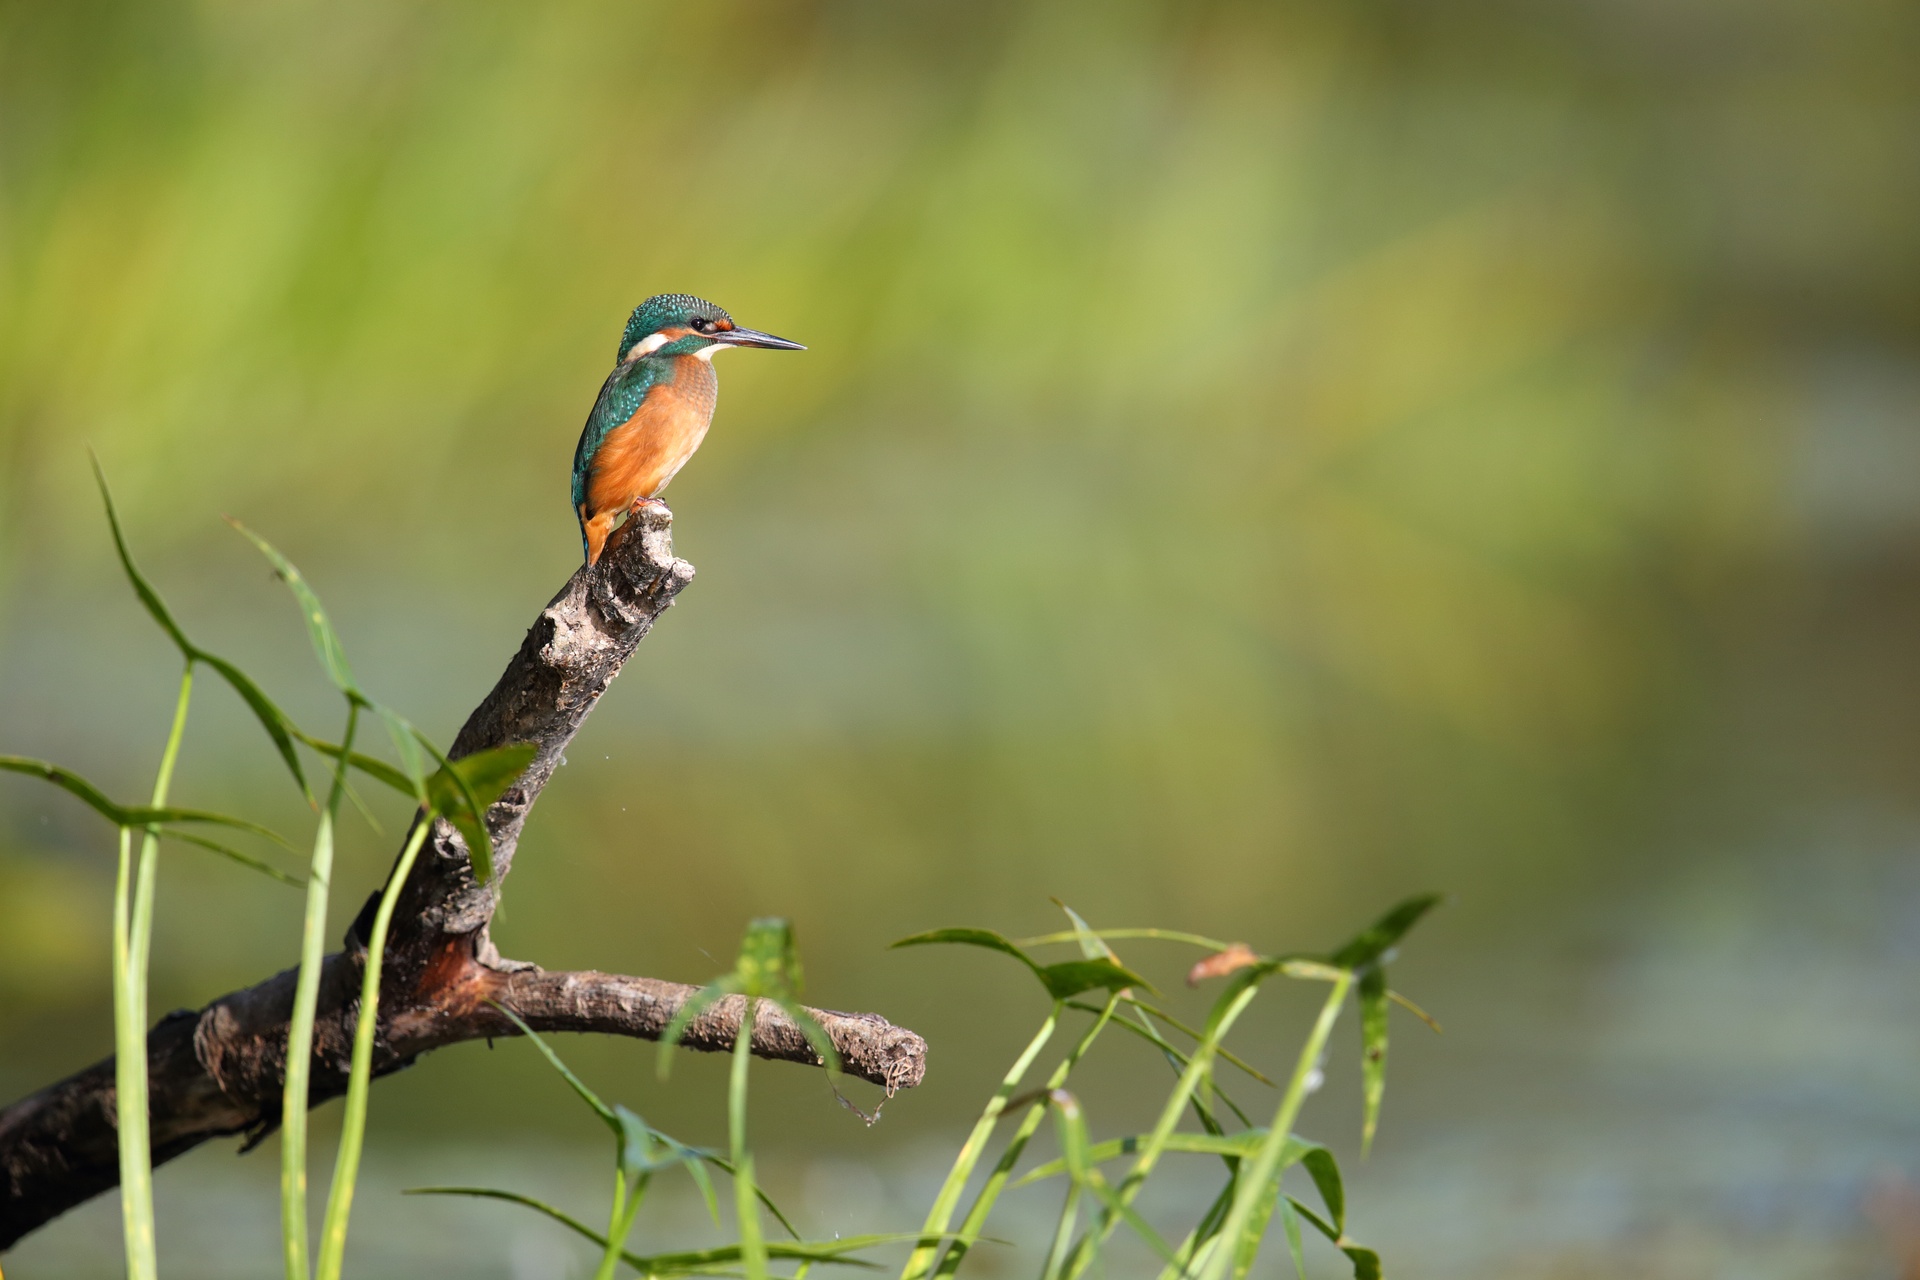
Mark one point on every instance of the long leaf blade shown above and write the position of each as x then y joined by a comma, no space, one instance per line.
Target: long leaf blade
141,587
579,1086
244,859
278,725
326,642
1379,937
1373,1051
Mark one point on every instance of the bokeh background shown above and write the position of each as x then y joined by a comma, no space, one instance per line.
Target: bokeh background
1255,460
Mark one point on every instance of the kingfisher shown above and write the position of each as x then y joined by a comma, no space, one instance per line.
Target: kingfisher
653,410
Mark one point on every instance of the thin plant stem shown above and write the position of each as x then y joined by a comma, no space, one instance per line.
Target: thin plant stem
920,1263
1265,1165
353,1125
132,945
619,1223
130,1077
1063,1234
306,1000
976,1219
753,1247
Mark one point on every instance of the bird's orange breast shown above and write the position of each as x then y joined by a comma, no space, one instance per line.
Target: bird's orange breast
640,456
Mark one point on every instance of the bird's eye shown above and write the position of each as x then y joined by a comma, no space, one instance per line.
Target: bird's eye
703,326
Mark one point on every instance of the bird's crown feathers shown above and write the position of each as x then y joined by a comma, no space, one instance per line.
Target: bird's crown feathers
667,311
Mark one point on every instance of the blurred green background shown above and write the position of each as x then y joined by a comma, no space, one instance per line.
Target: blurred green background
1254,461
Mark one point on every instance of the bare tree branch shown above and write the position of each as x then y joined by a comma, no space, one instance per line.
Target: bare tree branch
219,1071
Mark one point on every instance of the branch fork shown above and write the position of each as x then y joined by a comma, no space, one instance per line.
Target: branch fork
219,1071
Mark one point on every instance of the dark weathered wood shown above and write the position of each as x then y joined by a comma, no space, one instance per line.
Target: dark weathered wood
219,1071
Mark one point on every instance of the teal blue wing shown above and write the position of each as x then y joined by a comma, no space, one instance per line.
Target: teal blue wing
620,397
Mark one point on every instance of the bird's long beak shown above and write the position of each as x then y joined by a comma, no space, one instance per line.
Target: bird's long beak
738,337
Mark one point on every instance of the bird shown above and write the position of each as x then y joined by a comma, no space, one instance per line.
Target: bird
653,410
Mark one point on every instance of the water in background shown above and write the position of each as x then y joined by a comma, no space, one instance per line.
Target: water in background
1254,461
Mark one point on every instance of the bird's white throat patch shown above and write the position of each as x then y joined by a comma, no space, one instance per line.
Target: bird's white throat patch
648,345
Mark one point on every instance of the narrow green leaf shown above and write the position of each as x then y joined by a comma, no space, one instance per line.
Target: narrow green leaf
973,938
128,815
1325,1172
141,587
275,721
1185,1030
1383,933
1068,979
1290,1223
326,643
514,1197
379,770
1237,1145
1071,1123
1092,945
1365,1262
72,783
578,1085
697,1003
405,745
1132,1218
461,791
1247,1248
1122,935
1414,1009
1373,1050
768,962
816,1035
245,860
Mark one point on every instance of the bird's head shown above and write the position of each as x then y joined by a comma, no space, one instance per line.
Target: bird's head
679,324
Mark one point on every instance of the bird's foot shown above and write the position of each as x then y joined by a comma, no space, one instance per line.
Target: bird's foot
651,512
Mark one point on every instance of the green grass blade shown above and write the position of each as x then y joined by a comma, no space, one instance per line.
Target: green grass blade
276,722
461,791
1265,1167
1058,1256
697,1003
983,1202
1228,1144
940,1215
353,1125
294,1240
133,943
1325,1172
1414,1009
760,1193
1225,1012
1068,979
1122,935
1290,1223
141,587
1226,1054
574,1082
130,1081
1146,1031
513,1197
1373,1051
753,1246
970,938
326,642
1365,1262
379,770
1379,937
244,859
73,784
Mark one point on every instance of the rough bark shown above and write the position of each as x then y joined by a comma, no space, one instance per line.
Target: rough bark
219,1071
